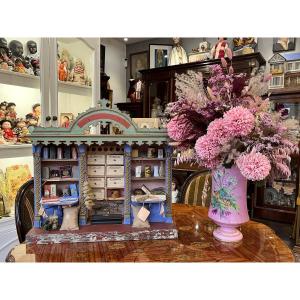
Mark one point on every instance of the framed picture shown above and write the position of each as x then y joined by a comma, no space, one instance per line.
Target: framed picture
283,44
159,55
138,61
66,119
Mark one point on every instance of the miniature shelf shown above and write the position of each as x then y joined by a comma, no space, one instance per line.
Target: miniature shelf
74,88
19,79
59,160
60,179
15,150
146,158
60,201
147,178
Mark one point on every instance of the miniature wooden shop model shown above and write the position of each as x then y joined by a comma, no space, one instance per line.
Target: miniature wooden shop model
285,70
116,174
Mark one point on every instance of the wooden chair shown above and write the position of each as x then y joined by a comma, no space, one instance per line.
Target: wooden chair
24,209
197,189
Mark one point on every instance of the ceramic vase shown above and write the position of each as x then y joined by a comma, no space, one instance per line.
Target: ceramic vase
228,207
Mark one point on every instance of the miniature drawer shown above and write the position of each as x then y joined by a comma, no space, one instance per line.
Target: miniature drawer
96,170
99,194
96,159
115,182
96,182
114,170
115,159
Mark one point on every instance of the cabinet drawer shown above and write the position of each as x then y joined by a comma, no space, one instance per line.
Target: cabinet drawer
115,170
115,182
96,170
96,182
98,194
96,159
115,159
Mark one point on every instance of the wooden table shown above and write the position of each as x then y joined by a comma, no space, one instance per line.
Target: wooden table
195,244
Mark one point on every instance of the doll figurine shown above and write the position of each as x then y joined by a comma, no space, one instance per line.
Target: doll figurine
31,120
19,67
8,133
36,112
3,106
20,123
16,49
2,139
5,62
33,58
78,73
11,111
68,59
221,49
23,136
178,54
62,71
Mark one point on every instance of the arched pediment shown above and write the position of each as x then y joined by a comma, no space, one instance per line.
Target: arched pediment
79,131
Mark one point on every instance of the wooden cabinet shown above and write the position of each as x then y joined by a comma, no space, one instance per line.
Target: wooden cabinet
160,82
277,201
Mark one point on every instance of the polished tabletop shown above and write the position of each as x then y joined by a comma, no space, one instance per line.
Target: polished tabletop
195,244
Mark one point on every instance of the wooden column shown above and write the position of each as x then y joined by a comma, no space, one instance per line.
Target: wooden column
82,177
168,205
127,166
37,184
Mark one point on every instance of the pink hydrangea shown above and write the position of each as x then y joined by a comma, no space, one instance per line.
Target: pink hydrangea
254,166
181,129
217,131
207,150
238,121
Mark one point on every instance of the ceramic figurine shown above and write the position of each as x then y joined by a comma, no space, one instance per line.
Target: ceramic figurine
11,111
33,57
16,49
78,73
221,49
8,133
178,54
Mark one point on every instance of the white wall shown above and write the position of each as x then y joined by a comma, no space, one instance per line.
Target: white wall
23,97
115,53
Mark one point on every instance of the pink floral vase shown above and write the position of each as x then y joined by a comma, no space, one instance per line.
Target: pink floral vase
228,207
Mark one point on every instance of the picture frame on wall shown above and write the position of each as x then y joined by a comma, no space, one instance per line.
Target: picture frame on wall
138,61
66,119
283,44
159,55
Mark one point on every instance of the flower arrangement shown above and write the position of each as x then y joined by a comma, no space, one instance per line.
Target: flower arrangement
229,122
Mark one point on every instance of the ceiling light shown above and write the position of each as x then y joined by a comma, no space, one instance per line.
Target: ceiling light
125,39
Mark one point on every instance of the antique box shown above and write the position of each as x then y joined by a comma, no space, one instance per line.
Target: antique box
114,170
96,159
115,182
99,194
96,170
96,182
115,159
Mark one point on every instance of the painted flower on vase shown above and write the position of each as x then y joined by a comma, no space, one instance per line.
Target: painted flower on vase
223,201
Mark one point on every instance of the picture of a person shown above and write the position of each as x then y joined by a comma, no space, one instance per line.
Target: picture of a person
65,122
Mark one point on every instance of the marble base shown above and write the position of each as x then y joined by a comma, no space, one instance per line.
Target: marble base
103,233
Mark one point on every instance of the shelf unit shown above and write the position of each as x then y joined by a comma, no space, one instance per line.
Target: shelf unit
19,79
277,201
